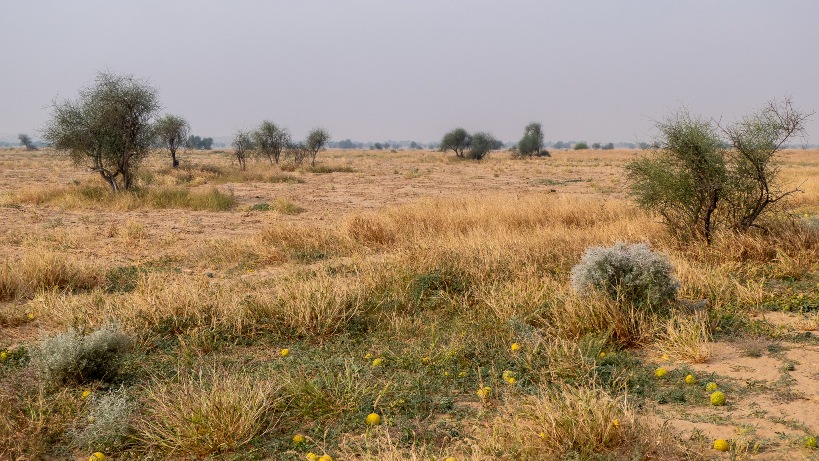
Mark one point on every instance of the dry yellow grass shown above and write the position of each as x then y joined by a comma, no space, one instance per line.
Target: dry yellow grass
579,422
212,412
451,265
40,270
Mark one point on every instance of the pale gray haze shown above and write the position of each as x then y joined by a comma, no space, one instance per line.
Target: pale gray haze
414,69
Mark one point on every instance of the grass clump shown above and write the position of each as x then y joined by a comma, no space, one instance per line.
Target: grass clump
319,306
630,273
210,200
208,413
569,422
39,270
324,169
73,357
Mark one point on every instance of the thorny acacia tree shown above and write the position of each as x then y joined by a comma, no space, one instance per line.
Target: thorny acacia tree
457,140
172,132
756,139
316,140
698,181
107,128
242,147
270,140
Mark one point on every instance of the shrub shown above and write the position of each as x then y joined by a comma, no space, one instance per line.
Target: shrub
109,426
630,273
698,181
75,357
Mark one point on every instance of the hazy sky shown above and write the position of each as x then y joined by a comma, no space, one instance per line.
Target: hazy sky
414,69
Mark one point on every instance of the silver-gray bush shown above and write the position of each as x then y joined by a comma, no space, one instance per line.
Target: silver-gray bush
629,273
75,357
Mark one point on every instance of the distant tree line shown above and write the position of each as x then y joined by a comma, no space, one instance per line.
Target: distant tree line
272,142
114,123
195,142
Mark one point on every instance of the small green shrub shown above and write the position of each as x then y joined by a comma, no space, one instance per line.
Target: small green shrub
260,207
630,273
73,357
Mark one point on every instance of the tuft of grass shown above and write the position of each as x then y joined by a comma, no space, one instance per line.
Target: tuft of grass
33,419
324,169
210,200
305,243
286,207
571,423
686,337
319,306
41,270
209,413
99,197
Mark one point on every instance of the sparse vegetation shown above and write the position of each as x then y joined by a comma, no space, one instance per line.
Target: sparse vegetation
444,302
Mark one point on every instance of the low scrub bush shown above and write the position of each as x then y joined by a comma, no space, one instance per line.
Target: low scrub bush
632,274
73,357
108,425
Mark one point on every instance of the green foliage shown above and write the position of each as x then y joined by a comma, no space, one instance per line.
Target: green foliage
481,144
196,142
629,273
107,128
457,140
684,181
172,132
270,140
73,357
242,147
581,146
697,181
316,140
532,141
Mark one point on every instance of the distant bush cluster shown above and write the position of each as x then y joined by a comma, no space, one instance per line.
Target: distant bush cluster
473,146
272,142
